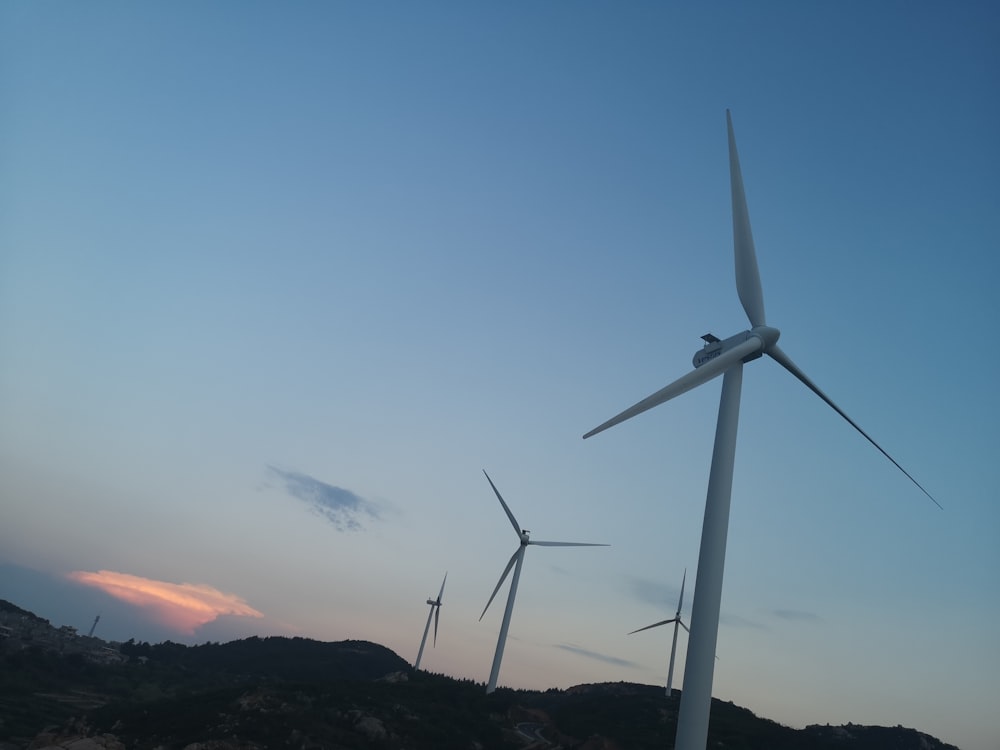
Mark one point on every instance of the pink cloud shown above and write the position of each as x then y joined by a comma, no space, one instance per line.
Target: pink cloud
182,606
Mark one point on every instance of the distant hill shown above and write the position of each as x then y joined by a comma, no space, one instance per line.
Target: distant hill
277,658
305,694
9,608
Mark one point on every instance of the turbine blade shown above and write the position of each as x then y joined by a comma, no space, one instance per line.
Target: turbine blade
680,603
437,612
567,544
654,625
685,383
747,274
441,592
513,521
500,582
783,359
681,623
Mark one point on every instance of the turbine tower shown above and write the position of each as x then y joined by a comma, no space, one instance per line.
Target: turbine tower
96,619
725,358
676,620
515,562
435,612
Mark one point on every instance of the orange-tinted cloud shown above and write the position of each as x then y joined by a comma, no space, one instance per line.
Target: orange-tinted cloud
182,606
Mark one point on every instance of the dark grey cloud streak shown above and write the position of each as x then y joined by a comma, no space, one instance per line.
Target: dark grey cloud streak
737,621
665,598
794,614
343,508
599,657
652,592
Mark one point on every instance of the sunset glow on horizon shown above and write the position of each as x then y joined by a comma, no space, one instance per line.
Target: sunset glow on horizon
182,606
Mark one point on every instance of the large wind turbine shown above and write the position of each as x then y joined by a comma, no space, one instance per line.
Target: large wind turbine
515,562
724,358
436,613
676,620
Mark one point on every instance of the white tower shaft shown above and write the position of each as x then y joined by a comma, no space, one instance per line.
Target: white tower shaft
502,640
423,641
673,653
696,698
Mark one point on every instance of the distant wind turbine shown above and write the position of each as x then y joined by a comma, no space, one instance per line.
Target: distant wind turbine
435,612
725,358
515,562
676,620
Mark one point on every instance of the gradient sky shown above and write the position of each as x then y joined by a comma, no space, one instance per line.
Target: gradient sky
277,282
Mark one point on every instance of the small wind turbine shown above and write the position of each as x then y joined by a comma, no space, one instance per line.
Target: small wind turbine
724,358
435,613
676,620
515,562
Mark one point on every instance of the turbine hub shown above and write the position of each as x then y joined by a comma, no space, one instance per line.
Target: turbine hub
768,336
524,537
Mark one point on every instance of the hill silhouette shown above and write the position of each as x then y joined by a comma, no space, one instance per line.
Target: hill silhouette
276,658
57,688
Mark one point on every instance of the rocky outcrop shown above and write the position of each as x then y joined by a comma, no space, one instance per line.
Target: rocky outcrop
59,741
371,728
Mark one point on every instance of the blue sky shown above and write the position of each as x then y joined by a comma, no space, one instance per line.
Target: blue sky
278,282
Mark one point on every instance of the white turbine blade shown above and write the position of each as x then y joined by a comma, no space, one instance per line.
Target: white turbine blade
747,274
681,622
513,521
654,625
437,613
503,576
441,592
567,544
680,602
685,383
781,358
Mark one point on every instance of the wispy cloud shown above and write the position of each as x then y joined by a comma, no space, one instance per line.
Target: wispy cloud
740,622
597,657
664,597
792,614
344,509
181,606
651,592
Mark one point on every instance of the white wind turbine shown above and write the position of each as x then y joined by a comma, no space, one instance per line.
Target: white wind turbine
515,562
436,613
724,358
676,620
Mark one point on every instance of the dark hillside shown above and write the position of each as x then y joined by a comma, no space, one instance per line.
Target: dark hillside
422,713
276,658
10,609
309,695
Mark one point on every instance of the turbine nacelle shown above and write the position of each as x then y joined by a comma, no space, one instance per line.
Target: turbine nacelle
714,347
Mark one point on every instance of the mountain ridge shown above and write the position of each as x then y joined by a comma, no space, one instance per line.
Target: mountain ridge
58,688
